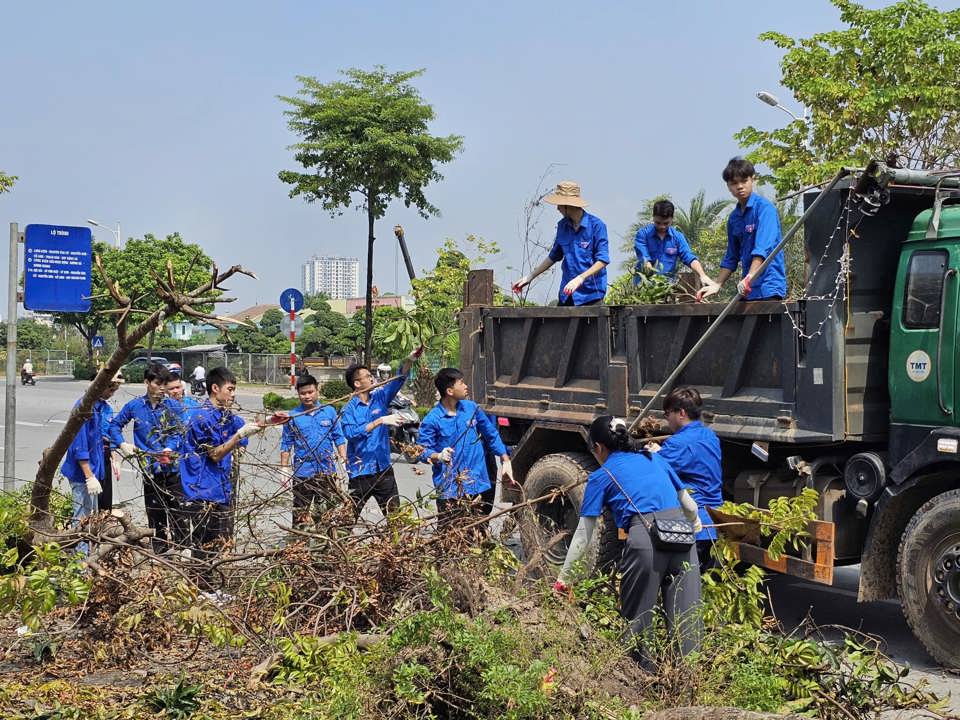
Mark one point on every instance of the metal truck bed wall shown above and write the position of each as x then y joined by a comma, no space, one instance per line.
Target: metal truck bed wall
758,378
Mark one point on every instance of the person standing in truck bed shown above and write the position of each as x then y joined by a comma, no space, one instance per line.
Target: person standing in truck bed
581,245
753,231
662,249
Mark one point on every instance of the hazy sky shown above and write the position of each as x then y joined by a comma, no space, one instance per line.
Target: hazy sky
164,116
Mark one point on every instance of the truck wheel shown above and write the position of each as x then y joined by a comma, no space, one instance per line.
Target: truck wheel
562,513
928,576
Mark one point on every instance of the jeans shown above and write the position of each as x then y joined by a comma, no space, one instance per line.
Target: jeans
84,505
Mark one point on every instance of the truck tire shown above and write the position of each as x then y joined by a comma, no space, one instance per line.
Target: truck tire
562,514
928,576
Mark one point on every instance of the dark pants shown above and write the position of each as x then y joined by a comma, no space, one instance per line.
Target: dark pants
568,302
211,528
649,575
162,499
381,486
105,501
451,510
703,554
320,491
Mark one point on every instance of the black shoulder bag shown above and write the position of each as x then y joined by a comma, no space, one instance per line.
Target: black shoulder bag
667,534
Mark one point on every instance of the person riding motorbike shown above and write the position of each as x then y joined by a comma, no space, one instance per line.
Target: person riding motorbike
26,373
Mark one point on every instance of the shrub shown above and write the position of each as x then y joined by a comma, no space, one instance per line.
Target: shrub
83,370
134,374
273,401
334,388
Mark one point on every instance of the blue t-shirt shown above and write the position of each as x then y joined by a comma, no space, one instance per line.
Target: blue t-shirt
648,482
202,478
313,437
694,454
468,431
754,231
369,452
87,445
155,427
661,253
579,249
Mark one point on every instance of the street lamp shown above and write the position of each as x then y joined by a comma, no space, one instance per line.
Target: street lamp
771,100
116,233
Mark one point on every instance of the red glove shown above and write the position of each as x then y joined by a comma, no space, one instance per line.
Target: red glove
561,587
743,287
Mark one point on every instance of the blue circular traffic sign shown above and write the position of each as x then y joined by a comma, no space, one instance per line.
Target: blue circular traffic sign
291,297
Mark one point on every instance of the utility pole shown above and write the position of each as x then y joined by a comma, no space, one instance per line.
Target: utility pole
10,408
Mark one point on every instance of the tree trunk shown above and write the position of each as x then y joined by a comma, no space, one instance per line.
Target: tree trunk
368,316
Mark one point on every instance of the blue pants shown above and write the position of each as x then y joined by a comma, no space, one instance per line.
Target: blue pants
84,504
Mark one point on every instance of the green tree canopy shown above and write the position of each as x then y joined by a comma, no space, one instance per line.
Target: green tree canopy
6,182
31,335
365,140
885,86
131,267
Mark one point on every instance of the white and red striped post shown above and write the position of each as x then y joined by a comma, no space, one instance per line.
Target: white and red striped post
293,345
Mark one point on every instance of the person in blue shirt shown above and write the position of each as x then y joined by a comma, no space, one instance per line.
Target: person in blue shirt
693,451
83,462
157,430
659,246
313,440
175,390
454,435
581,245
105,501
365,420
213,434
753,231
633,485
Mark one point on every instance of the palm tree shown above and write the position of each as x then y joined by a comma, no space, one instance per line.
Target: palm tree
693,222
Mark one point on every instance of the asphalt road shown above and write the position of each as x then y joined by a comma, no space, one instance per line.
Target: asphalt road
43,409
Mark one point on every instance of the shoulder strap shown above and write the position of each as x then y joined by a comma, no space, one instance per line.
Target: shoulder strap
629,499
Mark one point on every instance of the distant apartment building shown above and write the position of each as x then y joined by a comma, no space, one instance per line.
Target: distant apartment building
335,277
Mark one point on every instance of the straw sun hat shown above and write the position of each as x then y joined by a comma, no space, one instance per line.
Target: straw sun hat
567,193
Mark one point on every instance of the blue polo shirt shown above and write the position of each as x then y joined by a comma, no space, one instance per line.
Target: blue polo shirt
754,231
579,249
313,437
661,253
694,454
647,480
87,445
369,452
155,428
467,431
202,478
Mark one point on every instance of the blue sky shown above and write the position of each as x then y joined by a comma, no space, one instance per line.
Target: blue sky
164,116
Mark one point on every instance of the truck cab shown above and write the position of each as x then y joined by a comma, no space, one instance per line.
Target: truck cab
856,378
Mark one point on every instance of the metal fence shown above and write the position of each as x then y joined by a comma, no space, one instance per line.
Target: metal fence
45,362
258,368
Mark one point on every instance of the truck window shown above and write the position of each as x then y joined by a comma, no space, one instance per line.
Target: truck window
921,307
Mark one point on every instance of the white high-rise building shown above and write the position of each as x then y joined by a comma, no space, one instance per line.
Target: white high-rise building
335,277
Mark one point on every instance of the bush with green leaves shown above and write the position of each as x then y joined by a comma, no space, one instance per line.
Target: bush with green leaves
273,401
83,370
334,388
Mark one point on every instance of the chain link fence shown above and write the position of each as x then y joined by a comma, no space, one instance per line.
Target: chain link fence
45,362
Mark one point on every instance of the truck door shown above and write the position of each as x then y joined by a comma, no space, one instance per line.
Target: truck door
923,339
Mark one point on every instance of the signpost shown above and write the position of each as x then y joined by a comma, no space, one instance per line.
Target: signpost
56,268
96,342
291,300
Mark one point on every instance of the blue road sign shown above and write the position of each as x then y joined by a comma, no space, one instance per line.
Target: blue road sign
96,342
291,296
56,270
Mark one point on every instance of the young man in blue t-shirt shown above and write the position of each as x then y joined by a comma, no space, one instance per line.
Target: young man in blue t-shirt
662,249
753,232
310,445
212,435
581,245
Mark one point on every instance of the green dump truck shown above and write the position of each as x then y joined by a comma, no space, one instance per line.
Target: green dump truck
853,389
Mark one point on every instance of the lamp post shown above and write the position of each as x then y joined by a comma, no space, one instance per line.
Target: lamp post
116,233
771,100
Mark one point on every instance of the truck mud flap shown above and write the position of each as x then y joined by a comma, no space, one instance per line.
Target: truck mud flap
815,565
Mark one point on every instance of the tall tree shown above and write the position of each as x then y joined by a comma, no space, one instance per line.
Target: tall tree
135,267
6,182
693,221
365,139
885,86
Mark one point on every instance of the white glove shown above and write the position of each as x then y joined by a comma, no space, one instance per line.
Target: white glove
506,472
652,447
743,287
689,507
445,455
249,429
286,475
93,486
391,420
128,450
